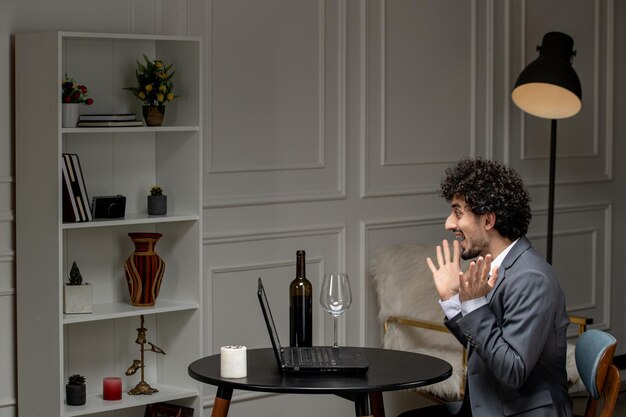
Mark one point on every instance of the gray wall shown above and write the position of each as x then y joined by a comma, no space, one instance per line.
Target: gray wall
328,126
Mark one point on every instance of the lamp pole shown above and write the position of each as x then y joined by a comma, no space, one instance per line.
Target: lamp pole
551,191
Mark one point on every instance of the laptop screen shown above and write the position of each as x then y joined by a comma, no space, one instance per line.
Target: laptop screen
269,321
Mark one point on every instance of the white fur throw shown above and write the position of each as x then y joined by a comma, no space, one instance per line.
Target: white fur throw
405,288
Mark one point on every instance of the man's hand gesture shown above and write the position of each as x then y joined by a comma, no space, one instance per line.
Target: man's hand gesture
451,280
476,281
446,275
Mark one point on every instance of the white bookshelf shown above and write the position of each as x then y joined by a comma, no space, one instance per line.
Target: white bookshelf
121,160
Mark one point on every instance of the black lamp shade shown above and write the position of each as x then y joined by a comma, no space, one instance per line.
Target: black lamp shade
549,87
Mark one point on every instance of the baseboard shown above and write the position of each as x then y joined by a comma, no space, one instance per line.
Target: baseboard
620,361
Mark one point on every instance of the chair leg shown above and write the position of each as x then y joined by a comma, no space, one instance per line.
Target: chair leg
611,391
590,407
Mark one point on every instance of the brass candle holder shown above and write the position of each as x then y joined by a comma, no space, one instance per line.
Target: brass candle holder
142,388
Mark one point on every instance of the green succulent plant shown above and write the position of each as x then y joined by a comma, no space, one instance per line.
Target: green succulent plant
75,277
156,190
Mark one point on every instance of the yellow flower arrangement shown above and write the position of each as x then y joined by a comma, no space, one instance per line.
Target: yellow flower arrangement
154,79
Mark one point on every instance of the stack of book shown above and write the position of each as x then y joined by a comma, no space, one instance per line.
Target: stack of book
76,206
108,120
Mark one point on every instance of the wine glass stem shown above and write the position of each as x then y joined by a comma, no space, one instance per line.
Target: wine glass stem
335,318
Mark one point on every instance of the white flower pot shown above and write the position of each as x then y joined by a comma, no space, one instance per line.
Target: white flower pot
78,299
70,114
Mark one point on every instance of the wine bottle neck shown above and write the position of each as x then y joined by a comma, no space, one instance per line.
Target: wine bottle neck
300,265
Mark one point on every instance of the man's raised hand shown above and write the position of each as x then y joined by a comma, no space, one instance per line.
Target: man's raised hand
446,273
476,281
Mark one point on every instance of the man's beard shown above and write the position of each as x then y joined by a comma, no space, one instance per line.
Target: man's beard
474,251
471,253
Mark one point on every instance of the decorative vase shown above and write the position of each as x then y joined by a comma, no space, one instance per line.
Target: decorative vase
69,114
153,115
144,270
157,204
75,394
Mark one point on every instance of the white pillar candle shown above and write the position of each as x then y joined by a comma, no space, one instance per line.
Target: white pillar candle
233,362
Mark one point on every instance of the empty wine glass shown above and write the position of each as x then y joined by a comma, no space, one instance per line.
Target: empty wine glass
335,296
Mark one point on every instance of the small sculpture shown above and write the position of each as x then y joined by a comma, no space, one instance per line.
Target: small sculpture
142,388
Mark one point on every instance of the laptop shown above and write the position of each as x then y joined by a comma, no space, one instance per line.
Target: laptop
316,359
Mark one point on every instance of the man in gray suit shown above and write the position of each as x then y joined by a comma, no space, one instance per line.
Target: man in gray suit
507,307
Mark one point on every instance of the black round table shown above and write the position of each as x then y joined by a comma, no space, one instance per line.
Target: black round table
389,370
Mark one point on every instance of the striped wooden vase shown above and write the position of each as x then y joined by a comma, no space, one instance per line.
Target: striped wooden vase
144,270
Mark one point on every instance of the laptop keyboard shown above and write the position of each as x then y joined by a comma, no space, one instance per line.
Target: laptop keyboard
314,356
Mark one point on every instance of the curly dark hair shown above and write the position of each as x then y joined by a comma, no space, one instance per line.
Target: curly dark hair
490,187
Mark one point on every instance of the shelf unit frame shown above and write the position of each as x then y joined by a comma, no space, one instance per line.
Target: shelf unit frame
51,344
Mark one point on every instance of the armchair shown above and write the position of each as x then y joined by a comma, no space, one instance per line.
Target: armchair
413,319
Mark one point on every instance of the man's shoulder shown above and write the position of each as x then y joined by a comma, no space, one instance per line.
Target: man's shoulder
533,267
521,249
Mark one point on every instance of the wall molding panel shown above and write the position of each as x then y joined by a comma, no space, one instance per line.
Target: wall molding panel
382,232
582,256
235,261
8,402
7,256
581,232
278,233
405,146
294,149
264,269
253,199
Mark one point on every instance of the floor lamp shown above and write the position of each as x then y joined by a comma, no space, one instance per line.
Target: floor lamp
549,88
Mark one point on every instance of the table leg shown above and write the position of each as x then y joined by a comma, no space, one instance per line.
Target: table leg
362,405
222,402
377,404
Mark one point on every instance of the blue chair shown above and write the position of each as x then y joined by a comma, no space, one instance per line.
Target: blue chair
594,359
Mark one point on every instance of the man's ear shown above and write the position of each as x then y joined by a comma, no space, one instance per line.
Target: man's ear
489,220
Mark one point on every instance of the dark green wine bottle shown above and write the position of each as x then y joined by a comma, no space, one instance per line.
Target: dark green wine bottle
300,306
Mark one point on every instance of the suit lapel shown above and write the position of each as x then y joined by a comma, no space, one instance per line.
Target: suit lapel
520,247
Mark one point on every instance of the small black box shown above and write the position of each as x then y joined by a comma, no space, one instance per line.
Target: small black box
108,206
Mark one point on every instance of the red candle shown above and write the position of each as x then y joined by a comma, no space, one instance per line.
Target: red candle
112,388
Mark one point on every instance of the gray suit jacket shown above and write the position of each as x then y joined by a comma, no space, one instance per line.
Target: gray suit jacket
517,342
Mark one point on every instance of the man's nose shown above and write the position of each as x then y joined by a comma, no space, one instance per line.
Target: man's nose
450,223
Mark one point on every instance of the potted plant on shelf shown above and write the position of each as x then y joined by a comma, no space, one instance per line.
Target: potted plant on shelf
77,297
72,96
157,202
154,88
76,390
